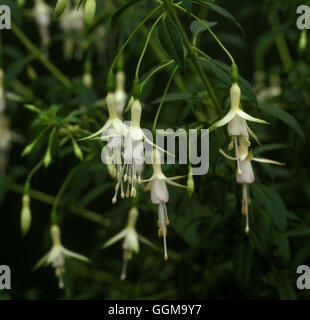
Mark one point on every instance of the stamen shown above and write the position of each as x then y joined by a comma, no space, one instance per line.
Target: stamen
124,269
237,156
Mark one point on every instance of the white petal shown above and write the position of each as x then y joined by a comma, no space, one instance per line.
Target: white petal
75,255
269,161
237,127
223,121
159,192
247,174
132,238
116,238
246,116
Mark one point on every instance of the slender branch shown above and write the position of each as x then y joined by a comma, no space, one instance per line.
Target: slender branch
192,56
164,97
147,42
48,199
132,34
37,53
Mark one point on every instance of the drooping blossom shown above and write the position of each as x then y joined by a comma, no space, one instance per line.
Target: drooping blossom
160,196
57,256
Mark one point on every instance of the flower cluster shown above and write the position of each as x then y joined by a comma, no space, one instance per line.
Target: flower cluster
239,132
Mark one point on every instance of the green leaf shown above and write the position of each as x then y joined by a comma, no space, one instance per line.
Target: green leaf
122,10
243,263
283,116
174,96
272,202
222,12
302,232
171,39
187,4
197,27
283,245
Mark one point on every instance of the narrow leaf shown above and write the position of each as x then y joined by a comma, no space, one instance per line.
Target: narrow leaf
171,39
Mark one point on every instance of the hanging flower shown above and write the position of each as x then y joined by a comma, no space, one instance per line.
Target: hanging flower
120,94
72,21
160,196
57,255
25,214
236,118
131,239
42,15
245,175
134,150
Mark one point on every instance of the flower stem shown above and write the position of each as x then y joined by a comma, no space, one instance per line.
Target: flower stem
192,56
163,97
146,43
48,199
37,53
30,175
132,34
60,193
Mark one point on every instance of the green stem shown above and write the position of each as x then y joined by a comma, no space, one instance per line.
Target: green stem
60,193
281,44
37,53
132,34
48,199
161,57
30,175
150,75
164,97
146,43
192,56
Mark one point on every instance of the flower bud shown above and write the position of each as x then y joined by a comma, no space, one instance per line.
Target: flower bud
25,214
235,93
234,73
136,111
87,80
77,150
132,217
89,11
47,158
111,104
55,234
302,41
60,8
190,183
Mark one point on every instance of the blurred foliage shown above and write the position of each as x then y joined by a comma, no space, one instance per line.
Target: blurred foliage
211,257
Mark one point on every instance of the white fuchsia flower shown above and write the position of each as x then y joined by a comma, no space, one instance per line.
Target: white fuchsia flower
245,175
71,21
113,131
120,94
42,15
57,255
134,150
236,118
131,239
160,196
